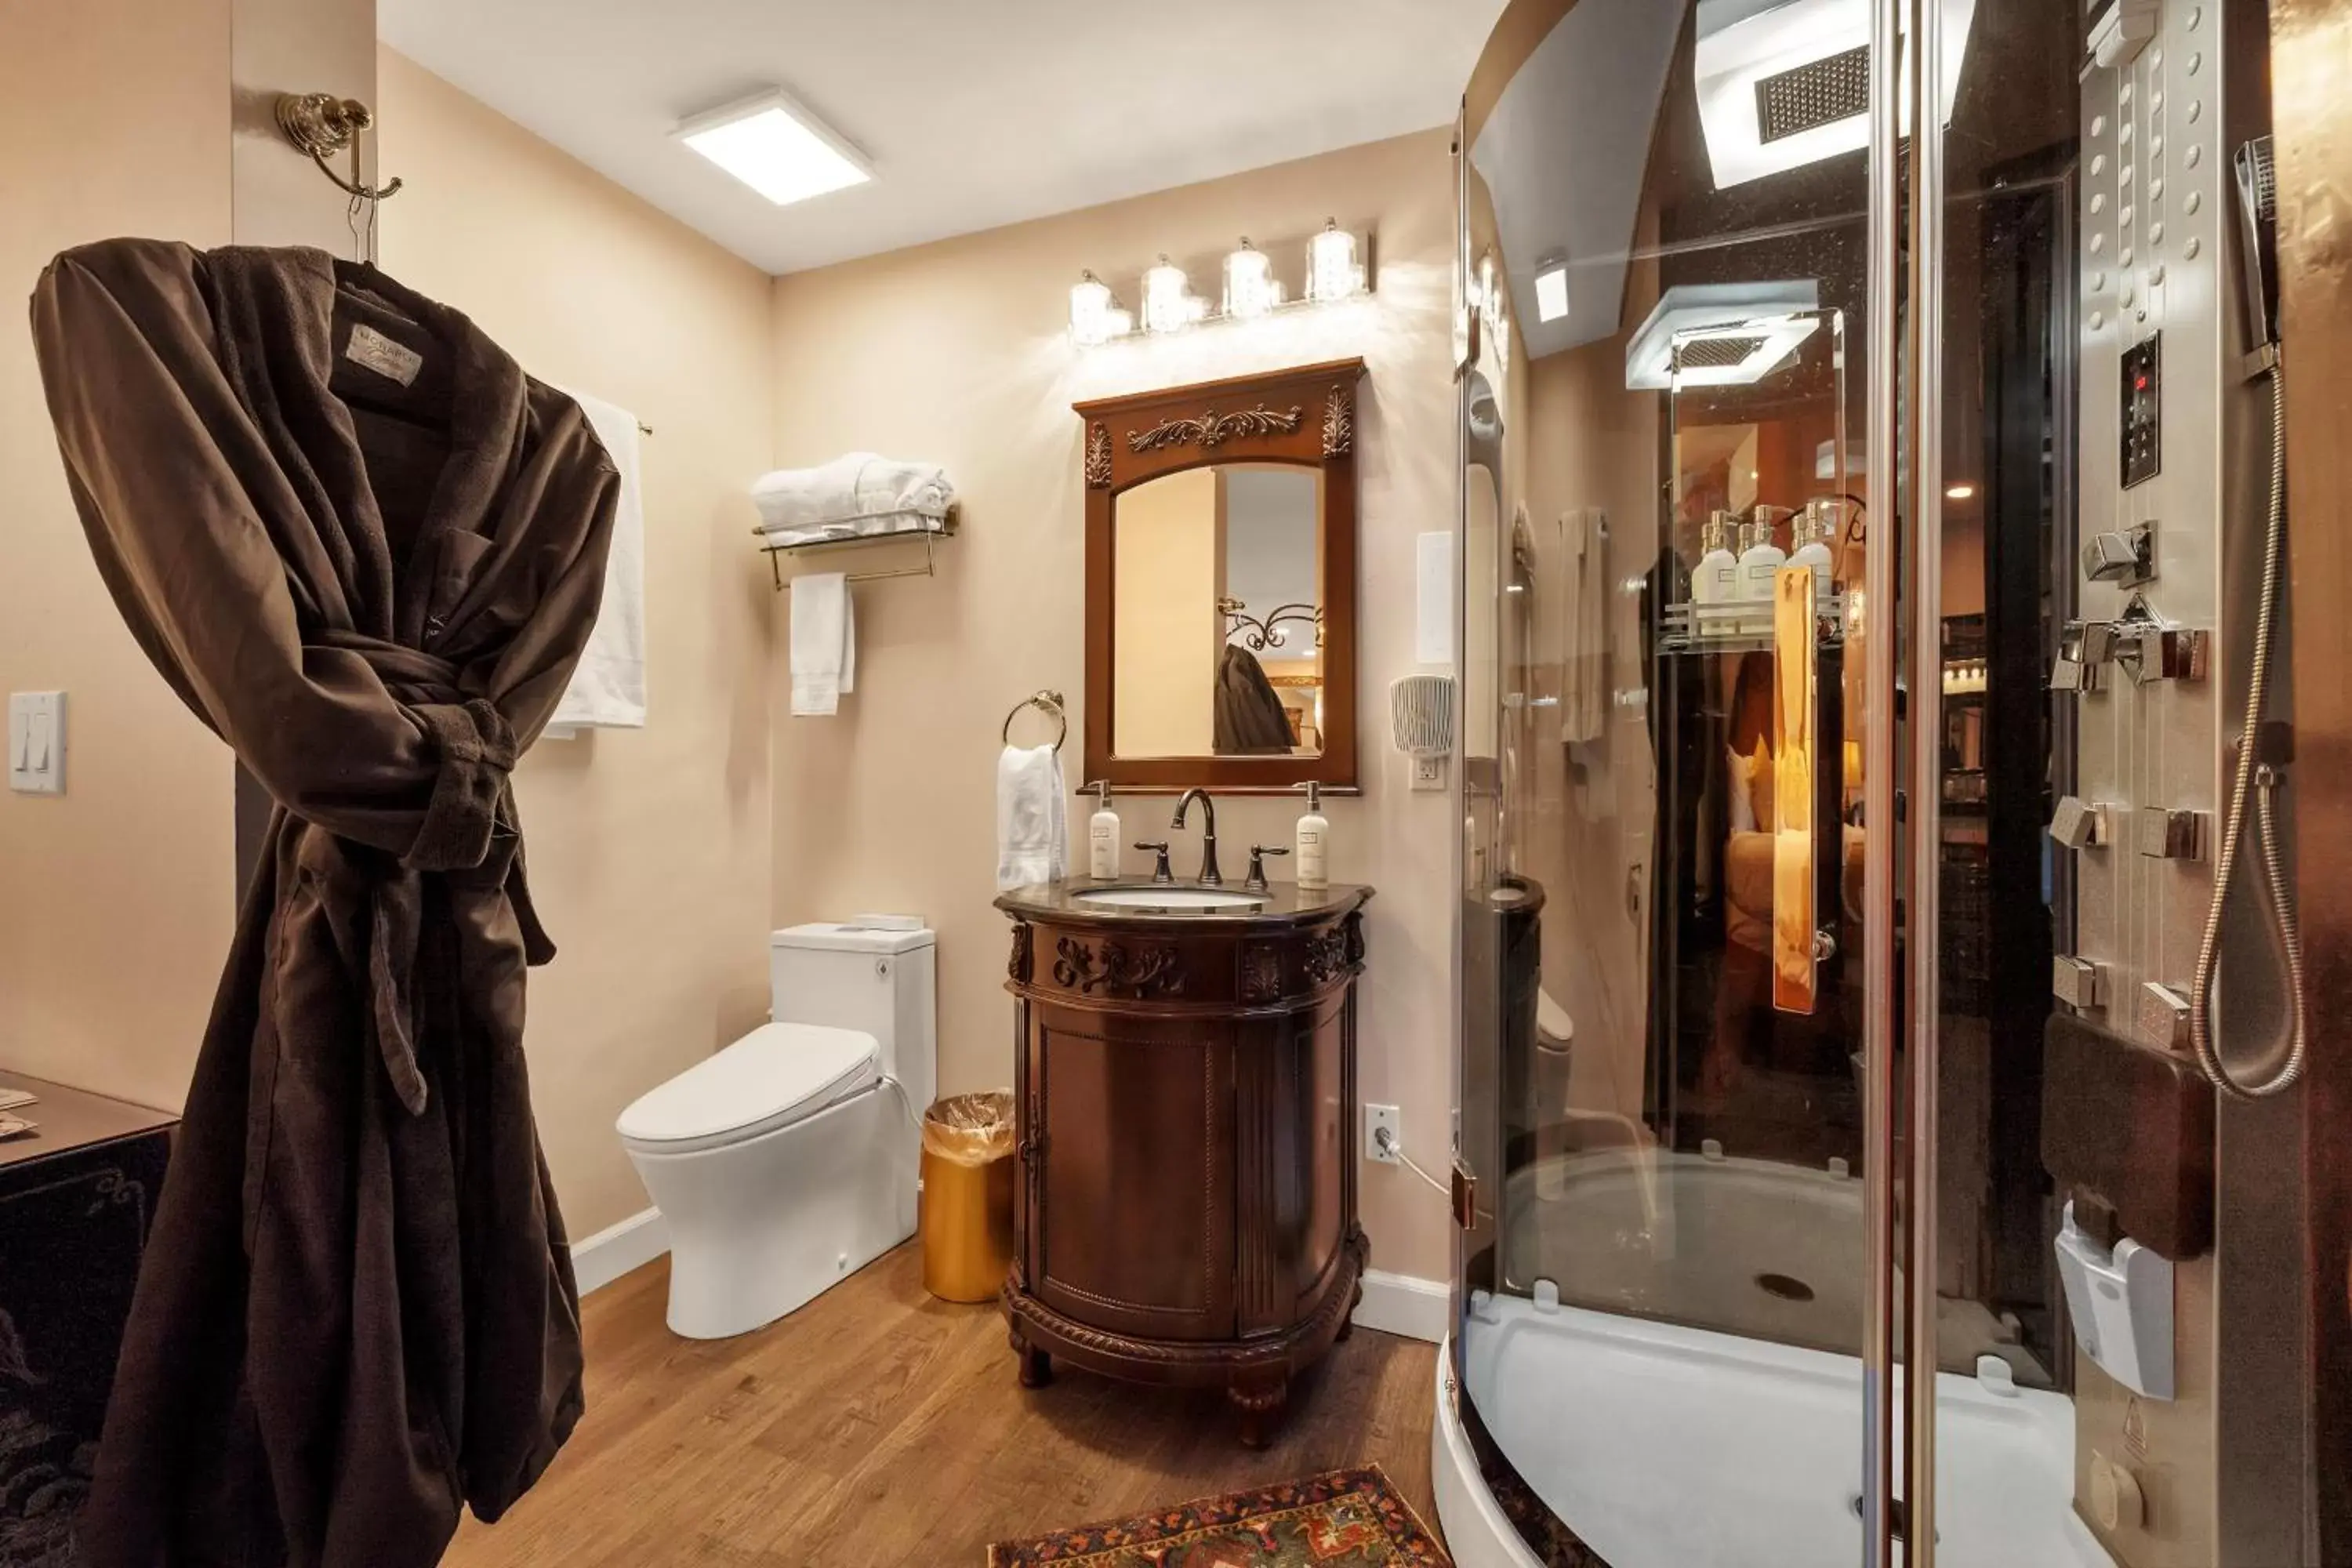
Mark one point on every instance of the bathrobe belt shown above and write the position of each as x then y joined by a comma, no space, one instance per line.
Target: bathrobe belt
472,838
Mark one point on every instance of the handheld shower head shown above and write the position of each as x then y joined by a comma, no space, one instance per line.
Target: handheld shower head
2258,239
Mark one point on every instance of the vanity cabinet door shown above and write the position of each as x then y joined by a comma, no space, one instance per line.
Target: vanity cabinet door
1131,1224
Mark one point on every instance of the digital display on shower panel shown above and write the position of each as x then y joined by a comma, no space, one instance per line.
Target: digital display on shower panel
2142,410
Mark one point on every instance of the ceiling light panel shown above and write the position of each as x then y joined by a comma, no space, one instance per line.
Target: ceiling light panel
1784,83
777,147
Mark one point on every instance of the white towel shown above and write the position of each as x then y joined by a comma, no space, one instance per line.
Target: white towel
1033,829
825,643
1584,687
608,686
859,493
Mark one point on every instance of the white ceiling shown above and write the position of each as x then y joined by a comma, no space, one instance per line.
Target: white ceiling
975,112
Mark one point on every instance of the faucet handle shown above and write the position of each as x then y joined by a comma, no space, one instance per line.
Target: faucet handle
1161,872
1256,878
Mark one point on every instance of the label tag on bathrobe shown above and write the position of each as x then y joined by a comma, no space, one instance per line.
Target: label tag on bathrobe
393,361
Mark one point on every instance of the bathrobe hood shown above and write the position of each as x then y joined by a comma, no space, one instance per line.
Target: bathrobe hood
365,550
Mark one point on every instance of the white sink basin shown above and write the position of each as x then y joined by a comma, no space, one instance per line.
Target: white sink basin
1193,900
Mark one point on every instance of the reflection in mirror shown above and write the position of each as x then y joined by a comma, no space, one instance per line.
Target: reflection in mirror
1217,617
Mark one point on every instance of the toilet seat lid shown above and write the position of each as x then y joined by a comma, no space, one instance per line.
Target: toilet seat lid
776,1075
1555,1029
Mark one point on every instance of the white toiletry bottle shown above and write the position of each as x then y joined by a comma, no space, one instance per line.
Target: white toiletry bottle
1314,843
1102,836
1716,579
1758,564
1816,526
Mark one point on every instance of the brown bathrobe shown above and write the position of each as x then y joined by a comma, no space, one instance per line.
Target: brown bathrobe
366,550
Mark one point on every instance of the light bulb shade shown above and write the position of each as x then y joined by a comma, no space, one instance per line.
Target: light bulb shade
1332,273
1250,288
1166,299
1091,313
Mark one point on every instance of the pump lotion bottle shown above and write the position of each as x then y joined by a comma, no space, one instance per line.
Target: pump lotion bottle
1102,836
1314,843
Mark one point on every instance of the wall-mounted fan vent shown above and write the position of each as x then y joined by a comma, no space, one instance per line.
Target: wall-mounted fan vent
1821,92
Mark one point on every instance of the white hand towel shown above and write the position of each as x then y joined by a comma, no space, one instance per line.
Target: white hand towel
608,686
825,643
1033,829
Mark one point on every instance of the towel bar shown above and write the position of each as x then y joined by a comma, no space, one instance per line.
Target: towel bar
930,536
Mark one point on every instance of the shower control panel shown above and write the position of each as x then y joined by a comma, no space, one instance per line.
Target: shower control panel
2143,410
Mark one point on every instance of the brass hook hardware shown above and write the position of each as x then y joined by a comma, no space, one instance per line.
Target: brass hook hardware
321,124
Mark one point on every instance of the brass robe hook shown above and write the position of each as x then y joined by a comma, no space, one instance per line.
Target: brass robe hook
321,124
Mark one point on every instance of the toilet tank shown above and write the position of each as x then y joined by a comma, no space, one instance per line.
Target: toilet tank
885,982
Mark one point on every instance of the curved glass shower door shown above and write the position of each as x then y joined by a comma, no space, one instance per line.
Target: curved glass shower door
1671,514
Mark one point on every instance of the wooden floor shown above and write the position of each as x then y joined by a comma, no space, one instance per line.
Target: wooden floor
876,1427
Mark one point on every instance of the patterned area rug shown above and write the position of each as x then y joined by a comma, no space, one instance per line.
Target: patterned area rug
1349,1518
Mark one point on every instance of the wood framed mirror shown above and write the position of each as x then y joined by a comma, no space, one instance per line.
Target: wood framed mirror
1220,584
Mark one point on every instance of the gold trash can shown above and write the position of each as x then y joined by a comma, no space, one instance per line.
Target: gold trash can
967,1221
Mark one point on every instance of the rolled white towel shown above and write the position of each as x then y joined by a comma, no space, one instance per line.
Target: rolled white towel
854,490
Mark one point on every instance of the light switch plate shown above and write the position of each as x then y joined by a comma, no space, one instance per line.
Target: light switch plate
36,743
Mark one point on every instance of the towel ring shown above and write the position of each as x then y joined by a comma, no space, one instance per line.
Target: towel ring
1045,701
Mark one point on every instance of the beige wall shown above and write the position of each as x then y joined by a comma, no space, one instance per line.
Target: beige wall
957,352
649,850
1167,577
114,118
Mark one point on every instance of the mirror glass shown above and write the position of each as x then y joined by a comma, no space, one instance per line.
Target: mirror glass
1217,620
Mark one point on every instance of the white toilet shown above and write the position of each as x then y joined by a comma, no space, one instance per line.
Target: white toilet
788,1160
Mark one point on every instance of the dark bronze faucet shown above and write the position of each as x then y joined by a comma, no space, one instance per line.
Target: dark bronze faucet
1209,875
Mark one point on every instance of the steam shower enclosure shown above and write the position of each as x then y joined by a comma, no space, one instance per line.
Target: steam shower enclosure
1875,1146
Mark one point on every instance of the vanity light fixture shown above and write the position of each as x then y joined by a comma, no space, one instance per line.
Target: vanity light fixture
1169,303
1095,315
777,147
1333,273
1250,287
1552,288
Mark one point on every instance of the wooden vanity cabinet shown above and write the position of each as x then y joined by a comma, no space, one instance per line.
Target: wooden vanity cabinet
1185,1091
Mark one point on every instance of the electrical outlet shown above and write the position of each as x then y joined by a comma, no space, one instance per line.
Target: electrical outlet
1429,772
1376,1118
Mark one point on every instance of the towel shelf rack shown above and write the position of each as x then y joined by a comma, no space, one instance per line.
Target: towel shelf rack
930,536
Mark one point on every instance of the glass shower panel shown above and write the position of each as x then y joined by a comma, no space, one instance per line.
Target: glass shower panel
1668,536
2114,1268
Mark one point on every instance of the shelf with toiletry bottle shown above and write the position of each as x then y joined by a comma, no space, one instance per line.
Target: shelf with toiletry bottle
1730,605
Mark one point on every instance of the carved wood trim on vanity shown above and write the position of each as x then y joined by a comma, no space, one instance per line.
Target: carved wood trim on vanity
1244,1279
1117,970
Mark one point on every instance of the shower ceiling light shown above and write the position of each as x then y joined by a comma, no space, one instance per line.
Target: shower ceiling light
1783,83
1552,288
1725,334
1250,288
776,147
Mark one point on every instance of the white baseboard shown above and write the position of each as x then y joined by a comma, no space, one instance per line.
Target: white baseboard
1401,1304
600,1259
